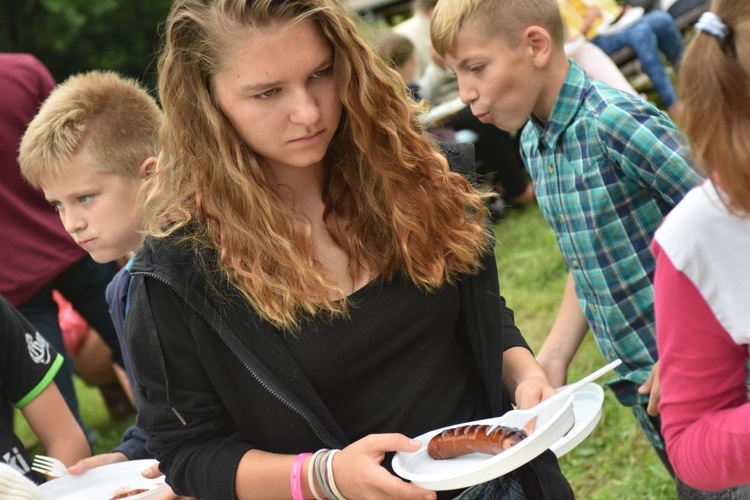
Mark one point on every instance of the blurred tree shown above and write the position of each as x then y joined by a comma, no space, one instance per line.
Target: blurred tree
70,36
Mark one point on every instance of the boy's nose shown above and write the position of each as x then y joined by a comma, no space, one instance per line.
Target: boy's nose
466,94
71,222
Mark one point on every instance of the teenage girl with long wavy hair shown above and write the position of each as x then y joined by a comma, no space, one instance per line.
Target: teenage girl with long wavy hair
315,277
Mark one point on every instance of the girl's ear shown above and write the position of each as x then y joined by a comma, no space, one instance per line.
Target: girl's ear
147,167
539,44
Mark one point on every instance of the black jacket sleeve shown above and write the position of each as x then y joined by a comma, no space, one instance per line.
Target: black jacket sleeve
186,423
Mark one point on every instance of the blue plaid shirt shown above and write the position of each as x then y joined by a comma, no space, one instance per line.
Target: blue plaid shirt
606,169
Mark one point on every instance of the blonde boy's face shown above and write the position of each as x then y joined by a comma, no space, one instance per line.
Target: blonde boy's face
99,210
498,82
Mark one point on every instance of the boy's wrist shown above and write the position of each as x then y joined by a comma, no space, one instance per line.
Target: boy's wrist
555,367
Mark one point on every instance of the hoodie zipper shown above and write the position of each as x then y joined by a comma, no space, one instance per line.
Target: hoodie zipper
280,397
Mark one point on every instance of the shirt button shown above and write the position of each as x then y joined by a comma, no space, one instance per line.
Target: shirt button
561,218
575,264
612,354
551,168
593,308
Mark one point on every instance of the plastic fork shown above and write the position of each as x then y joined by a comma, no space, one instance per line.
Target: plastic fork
567,391
49,466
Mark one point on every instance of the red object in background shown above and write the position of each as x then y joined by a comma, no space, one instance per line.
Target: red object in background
74,327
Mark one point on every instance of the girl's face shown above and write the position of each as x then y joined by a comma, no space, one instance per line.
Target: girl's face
278,91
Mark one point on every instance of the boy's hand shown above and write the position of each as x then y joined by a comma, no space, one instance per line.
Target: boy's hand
652,387
96,461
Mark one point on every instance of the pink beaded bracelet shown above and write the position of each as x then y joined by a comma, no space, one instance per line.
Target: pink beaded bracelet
296,479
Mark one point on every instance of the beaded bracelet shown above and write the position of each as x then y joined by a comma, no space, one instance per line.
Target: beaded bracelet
296,479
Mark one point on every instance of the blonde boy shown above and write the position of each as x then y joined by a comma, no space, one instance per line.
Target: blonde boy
89,149
606,167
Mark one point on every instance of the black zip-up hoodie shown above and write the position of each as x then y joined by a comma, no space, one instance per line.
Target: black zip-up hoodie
214,380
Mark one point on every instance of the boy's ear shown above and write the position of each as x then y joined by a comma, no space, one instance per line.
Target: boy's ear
539,44
147,167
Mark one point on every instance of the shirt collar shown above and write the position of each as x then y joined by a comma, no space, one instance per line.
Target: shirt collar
565,108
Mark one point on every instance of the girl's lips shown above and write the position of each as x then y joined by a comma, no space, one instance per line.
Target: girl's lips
309,137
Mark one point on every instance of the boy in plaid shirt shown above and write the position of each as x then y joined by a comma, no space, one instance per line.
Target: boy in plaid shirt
606,168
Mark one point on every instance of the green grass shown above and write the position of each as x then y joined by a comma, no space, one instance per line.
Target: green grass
614,462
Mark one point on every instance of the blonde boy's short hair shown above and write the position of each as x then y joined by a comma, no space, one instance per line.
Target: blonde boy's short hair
110,119
505,19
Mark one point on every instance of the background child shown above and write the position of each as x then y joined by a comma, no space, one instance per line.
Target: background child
654,34
27,366
39,256
89,149
591,58
398,52
606,168
702,281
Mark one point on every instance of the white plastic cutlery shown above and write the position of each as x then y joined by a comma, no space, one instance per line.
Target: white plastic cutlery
566,392
49,466
585,380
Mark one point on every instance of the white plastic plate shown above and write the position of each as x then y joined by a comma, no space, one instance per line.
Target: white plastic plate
102,483
467,470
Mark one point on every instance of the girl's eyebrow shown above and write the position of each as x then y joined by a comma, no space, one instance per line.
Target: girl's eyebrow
257,87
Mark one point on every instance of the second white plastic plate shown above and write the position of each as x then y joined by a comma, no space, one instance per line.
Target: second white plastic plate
587,408
102,483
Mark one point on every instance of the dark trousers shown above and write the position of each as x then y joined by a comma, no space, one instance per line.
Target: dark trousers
83,284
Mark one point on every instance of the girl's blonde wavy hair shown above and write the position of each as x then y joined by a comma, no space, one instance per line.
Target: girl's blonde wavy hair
714,85
391,201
